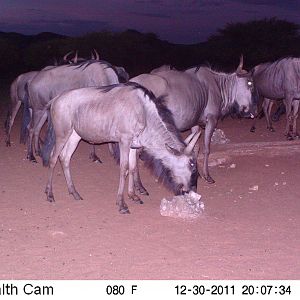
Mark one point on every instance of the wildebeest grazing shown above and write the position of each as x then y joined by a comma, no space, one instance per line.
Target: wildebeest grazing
280,80
201,96
47,84
127,114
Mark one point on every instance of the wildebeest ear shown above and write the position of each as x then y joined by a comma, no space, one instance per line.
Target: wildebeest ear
240,71
173,150
240,66
190,136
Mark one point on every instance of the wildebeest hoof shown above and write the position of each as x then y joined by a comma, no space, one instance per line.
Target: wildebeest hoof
124,210
38,153
252,129
142,191
31,158
289,137
50,198
135,199
209,179
8,144
95,158
76,196
271,129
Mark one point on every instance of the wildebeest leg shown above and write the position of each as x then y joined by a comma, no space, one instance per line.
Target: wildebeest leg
195,130
59,145
132,170
124,162
36,133
137,179
30,155
65,157
10,121
259,115
280,110
209,129
138,183
93,156
295,117
267,108
253,127
288,105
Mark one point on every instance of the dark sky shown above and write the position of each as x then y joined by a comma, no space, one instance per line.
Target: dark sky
178,21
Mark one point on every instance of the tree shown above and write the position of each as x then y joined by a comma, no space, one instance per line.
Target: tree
259,41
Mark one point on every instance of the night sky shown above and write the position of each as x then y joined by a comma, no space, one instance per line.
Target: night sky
177,21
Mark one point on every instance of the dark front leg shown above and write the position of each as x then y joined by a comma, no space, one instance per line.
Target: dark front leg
132,170
267,107
94,157
294,118
280,110
138,185
30,155
288,106
211,124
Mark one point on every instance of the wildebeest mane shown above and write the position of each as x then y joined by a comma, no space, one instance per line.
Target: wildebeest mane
160,103
162,109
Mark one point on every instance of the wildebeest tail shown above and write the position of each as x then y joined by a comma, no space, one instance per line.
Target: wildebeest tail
49,140
26,117
8,117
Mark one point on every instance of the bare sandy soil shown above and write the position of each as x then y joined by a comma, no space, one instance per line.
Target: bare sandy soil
250,228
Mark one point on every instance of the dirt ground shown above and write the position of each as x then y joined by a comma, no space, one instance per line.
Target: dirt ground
250,228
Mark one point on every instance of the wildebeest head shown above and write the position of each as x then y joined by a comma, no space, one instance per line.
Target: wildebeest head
245,94
184,173
122,74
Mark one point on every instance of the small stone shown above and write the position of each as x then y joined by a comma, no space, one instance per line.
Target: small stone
232,166
253,188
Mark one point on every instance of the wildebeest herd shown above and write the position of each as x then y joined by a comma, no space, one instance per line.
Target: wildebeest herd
142,117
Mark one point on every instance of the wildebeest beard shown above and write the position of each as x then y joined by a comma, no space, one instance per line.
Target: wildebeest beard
163,173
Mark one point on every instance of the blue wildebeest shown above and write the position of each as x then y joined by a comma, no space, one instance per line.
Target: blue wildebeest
200,96
18,96
127,114
280,80
48,84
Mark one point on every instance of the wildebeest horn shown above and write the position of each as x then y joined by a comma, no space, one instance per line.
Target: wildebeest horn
66,56
189,148
190,136
240,67
75,57
97,57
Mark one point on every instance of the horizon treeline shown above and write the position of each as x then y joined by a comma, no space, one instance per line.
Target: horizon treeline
259,41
